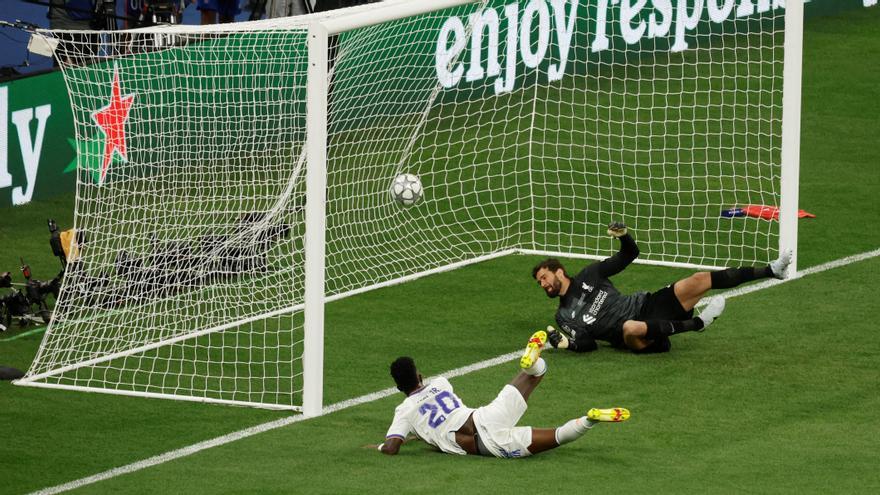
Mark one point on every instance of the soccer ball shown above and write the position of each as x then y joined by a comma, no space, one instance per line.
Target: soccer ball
406,189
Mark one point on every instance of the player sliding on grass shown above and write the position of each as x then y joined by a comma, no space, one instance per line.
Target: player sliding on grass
591,309
436,415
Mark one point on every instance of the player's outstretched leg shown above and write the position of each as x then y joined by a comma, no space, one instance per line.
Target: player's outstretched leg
652,330
711,312
690,290
731,277
639,335
779,266
550,438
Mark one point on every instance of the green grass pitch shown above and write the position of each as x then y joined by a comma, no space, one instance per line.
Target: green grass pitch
779,396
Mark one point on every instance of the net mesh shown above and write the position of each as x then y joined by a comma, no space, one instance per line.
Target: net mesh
531,125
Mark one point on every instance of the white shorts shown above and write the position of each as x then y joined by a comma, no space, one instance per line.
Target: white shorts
496,424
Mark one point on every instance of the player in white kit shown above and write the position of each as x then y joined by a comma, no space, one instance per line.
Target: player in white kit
435,414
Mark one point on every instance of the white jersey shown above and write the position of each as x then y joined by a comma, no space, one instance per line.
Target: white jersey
434,413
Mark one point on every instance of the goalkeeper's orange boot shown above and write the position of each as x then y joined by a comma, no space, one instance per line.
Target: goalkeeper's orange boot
533,349
612,415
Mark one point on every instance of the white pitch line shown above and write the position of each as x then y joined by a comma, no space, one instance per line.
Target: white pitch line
364,399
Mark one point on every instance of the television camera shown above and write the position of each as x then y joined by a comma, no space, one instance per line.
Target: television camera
27,302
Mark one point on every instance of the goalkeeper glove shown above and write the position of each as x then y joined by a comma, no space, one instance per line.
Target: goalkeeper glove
556,338
617,229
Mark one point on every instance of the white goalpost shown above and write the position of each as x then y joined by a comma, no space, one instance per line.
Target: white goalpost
234,179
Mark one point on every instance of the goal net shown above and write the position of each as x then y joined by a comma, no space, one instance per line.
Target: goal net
531,125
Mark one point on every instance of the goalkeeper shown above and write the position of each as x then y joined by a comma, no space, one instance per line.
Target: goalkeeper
591,308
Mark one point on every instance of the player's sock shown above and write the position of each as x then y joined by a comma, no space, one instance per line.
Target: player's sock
658,329
536,369
731,277
573,430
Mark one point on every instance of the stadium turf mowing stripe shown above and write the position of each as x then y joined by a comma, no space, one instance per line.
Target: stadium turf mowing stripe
248,432
33,331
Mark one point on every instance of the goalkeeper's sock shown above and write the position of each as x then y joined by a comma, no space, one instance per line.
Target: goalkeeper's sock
731,277
573,430
537,369
657,329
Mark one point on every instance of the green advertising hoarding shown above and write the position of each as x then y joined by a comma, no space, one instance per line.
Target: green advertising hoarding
38,149
37,154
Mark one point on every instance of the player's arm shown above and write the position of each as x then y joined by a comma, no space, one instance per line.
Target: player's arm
561,341
397,433
628,252
391,446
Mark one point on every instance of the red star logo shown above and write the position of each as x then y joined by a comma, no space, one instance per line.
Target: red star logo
111,119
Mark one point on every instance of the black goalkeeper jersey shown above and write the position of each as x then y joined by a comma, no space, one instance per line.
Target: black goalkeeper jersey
593,309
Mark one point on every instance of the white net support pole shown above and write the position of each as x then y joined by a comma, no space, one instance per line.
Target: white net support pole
316,184
791,129
316,180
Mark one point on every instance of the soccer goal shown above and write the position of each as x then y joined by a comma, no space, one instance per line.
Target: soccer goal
234,179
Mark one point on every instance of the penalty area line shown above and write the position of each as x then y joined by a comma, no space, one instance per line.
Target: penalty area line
372,397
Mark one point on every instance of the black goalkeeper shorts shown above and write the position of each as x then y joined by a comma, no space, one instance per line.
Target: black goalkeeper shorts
656,347
663,305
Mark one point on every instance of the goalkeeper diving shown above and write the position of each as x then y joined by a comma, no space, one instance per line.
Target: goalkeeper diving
591,309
